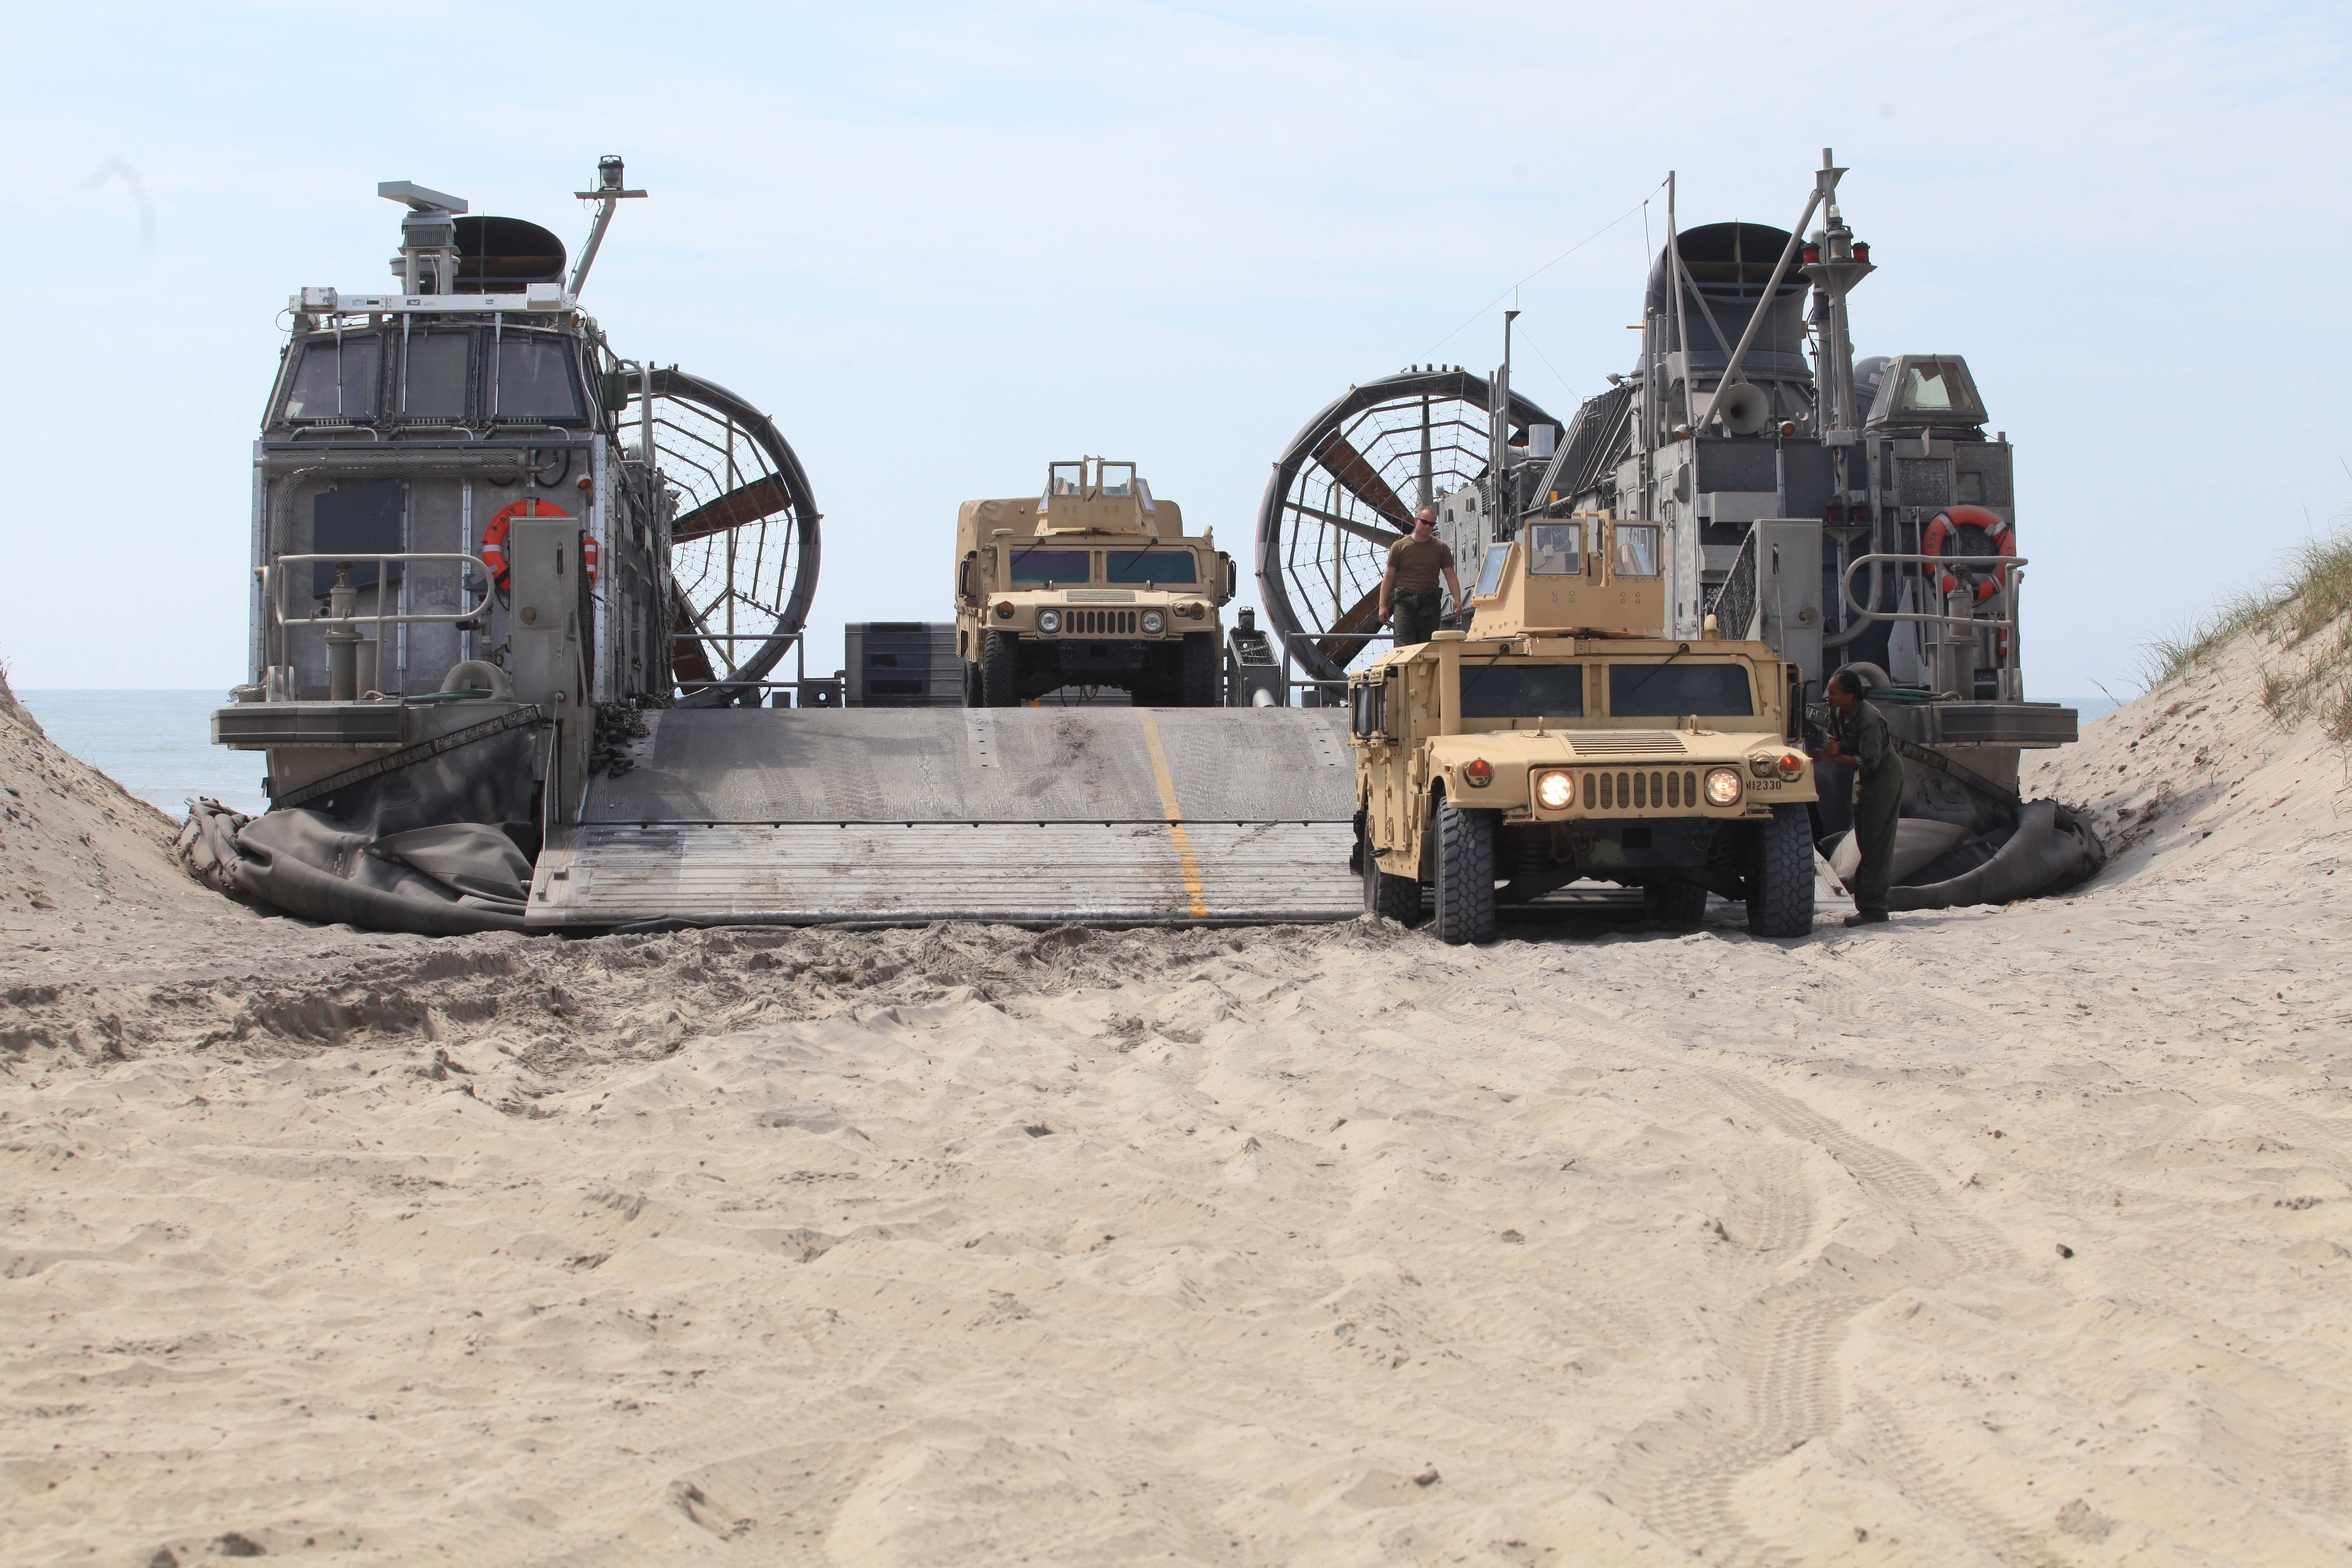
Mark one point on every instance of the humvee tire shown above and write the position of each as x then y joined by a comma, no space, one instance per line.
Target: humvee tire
1390,897
973,696
1465,875
1197,673
1677,905
1780,890
1000,672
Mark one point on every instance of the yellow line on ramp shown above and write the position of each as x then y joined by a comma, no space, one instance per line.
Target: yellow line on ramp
1176,834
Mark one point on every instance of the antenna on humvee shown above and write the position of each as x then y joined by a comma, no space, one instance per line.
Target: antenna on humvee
607,195
1504,504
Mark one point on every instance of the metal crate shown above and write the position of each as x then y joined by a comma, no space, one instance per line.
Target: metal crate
901,664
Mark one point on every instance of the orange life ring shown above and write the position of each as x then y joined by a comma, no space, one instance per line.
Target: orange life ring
1946,528
494,538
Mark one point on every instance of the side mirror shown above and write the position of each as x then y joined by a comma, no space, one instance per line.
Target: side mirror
1233,575
616,391
963,575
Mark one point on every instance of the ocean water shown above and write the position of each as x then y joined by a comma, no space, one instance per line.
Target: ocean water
156,744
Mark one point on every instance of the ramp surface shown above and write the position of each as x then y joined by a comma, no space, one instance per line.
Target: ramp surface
902,815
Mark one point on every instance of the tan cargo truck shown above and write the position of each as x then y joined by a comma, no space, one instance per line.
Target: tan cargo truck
1092,583
1560,739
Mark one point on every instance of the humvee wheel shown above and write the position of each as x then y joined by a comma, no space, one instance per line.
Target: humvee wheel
1780,888
1465,875
973,696
1197,674
1677,905
1391,898
1000,672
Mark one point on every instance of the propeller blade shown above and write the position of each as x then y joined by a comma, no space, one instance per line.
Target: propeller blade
1345,525
1362,481
1363,617
689,661
747,503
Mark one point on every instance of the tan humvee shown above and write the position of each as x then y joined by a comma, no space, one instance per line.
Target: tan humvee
1091,583
1562,739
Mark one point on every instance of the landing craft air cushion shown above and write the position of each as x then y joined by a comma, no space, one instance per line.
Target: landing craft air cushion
1844,514
518,603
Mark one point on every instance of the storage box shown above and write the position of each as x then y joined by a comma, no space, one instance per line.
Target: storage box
901,664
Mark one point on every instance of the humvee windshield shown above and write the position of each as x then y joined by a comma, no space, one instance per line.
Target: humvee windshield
1637,552
1555,550
1041,566
1671,691
1522,690
1490,571
1150,566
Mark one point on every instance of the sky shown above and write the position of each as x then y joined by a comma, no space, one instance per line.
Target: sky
943,246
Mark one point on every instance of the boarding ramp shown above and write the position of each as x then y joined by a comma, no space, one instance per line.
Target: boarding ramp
893,816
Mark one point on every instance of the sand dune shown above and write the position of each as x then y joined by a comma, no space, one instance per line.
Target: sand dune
2000,1236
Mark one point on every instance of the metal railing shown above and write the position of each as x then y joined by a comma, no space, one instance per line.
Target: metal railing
274,588
1944,562
1734,604
343,628
2005,656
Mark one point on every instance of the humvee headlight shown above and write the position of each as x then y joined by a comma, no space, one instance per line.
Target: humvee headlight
1478,772
1151,621
1723,787
1049,620
1555,791
1004,611
1791,764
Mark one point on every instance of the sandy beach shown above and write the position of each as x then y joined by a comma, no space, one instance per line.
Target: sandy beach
1998,1236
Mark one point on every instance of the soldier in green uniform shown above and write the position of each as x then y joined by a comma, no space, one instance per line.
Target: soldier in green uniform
1858,736
1408,586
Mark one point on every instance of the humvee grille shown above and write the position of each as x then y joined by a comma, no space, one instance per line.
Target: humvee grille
1641,792
1099,622
1638,741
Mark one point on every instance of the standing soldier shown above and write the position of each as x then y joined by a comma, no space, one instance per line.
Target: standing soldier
1858,736
1408,586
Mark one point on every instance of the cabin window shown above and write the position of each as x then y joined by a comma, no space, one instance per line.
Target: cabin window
532,379
1064,480
1490,571
1925,390
1033,567
1522,690
1669,690
1118,478
1637,550
337,378
432,380
1170,566
1940,386
1556,549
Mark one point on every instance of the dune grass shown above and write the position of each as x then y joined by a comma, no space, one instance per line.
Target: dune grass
2304,618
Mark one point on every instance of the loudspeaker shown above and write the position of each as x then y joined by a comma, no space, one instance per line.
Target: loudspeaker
1745,409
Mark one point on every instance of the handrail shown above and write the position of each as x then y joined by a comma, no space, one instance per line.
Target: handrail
1845,590
275,591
